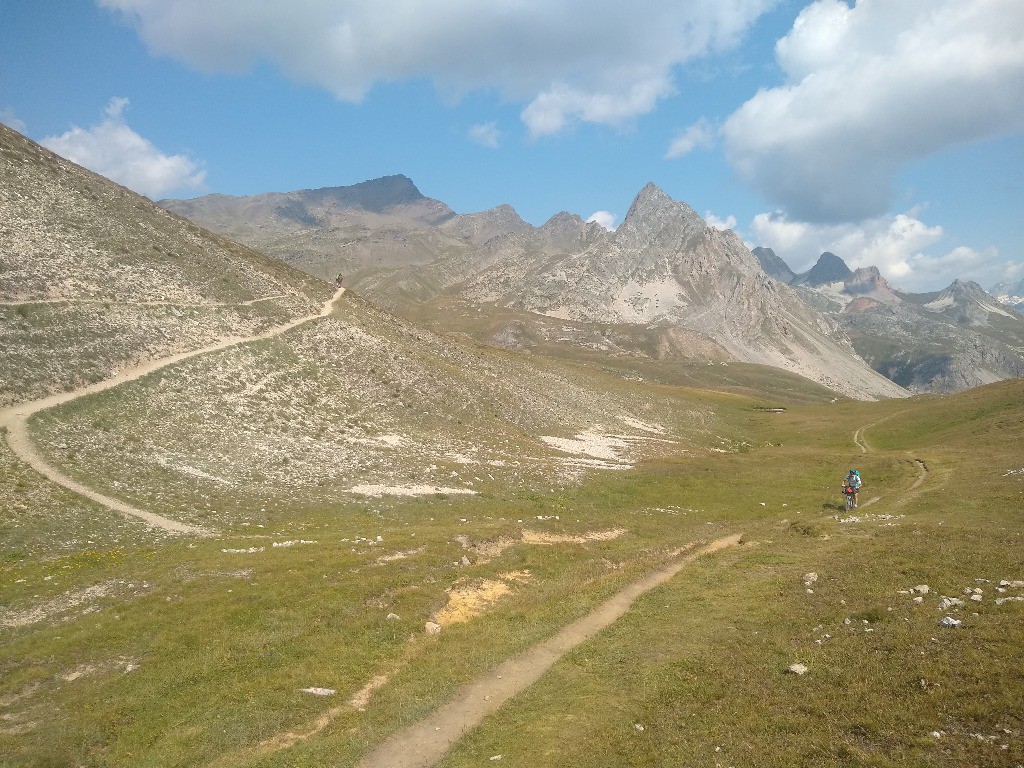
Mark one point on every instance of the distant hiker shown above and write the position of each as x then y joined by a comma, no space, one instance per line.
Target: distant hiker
852,485
338,279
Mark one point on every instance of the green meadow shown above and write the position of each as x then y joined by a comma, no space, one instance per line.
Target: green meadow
122,647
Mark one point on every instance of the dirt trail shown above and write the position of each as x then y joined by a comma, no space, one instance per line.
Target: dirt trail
858,438
424,743
14,420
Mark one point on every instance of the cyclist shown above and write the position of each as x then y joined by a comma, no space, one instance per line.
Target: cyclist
853,482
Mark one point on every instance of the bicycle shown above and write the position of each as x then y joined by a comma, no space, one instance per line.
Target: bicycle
848,497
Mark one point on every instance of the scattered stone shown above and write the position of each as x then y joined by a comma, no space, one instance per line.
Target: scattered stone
320,691
922,589
638,726
797,669
1017,599
976,598
950,602
810,578
464,562
393,617
919,599
949,621
495,758
433,628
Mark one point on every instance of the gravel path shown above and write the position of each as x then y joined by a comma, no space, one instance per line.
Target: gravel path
14,422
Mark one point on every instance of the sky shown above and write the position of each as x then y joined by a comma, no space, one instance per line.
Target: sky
889,132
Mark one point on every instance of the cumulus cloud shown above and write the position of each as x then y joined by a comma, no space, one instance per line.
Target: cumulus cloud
568,60
486,135
912,255
872,88
700,135
112,149
604,218
729,222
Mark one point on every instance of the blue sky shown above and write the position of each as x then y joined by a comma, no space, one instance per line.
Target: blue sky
890,132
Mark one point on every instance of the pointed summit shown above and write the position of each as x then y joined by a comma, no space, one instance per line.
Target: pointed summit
773,265
655,218
828,269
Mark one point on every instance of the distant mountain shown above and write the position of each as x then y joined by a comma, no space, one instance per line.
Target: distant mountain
828,269
663,270
773,265
661,285
1011,294
380,223
936,342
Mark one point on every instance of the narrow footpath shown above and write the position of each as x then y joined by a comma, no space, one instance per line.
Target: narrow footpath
14,421
424,743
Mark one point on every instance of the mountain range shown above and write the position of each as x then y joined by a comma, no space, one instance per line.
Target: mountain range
943,341
663,286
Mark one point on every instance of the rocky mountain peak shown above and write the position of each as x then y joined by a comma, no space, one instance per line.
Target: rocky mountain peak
868,281
654,218
773,265
828,269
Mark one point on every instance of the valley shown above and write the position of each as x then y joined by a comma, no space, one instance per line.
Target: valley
248,519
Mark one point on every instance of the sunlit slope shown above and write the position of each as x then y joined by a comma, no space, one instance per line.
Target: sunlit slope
356,404
94,278
699,672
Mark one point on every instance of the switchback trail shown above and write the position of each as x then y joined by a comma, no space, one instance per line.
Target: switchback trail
424,743
14,421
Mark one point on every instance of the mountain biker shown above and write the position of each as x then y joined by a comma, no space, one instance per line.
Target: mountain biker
853,482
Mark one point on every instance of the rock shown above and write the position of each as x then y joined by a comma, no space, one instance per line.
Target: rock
810,578
949,621
922,589
433,628
797,669
976,598
320,691
464,562
918,599
950,602
393,617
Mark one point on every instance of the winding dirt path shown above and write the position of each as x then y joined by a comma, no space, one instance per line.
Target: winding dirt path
424,743
14,420
858,439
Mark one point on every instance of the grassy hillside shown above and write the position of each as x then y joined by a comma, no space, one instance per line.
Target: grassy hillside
196,651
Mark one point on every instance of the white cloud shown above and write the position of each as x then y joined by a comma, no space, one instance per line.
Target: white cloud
486,135
700,135
729,222
872,88
561,105
114,150
604,218
910,254
11,120
568,60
